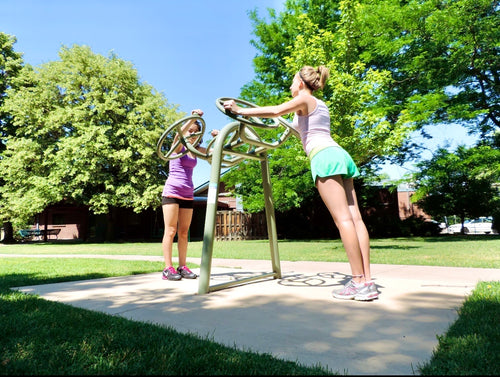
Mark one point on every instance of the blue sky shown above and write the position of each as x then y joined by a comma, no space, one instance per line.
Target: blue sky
193,51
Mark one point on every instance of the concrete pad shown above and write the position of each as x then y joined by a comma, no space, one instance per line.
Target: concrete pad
295,318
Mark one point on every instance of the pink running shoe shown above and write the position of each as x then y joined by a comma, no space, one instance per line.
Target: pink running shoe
170,274
186,273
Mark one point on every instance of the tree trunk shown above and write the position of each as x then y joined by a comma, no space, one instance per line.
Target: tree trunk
8,231
110,226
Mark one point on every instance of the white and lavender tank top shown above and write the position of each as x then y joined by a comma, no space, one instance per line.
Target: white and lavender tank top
314,128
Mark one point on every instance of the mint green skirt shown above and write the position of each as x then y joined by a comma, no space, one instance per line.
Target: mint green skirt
332,161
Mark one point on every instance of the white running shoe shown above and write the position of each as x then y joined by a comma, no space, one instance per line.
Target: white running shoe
349,291
367,292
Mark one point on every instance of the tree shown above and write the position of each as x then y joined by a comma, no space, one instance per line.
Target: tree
442,55
85,132
355,94
397,66
10,64
463,183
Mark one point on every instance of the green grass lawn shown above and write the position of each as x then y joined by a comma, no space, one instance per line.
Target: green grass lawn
43,337
452,251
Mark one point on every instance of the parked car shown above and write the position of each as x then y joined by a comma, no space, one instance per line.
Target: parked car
482,225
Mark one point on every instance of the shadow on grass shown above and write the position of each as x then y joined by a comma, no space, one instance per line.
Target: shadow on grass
441,237
460,237
444,238
19,280
24,279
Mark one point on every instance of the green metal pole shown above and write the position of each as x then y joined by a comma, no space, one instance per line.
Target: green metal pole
211,213
270,217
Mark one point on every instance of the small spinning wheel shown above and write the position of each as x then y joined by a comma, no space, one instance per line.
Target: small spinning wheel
175,130
251,121
249,134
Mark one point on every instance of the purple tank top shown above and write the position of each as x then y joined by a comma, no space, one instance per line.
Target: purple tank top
179,183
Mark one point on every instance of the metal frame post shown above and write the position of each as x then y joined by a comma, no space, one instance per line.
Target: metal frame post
211,214
270,217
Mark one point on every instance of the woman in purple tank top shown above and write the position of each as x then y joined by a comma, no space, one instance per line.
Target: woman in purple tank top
177,203
333,171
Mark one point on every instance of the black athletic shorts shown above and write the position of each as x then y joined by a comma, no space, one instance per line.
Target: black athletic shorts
183,203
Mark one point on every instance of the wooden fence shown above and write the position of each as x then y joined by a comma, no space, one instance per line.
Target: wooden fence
235,225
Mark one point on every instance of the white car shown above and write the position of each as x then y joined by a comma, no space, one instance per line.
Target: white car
476,226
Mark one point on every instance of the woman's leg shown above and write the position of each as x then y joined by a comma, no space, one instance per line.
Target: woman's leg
361,231
170,218
185,216
334,196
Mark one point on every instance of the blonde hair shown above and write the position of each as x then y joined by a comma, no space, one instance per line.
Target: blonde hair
314,78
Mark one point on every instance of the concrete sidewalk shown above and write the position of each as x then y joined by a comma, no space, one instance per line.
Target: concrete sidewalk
294,318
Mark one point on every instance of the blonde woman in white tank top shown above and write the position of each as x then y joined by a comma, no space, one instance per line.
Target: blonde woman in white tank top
333,171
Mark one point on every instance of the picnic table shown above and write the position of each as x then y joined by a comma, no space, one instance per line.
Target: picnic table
32,234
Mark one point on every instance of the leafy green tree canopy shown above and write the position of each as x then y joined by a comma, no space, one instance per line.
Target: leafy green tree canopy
357,95
438,49
11,63
395,68
85,131
464,183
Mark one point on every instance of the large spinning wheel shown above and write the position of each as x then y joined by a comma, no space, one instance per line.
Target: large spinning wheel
251,121
242,139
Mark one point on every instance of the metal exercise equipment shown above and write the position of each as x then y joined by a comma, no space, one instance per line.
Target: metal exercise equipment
236,142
